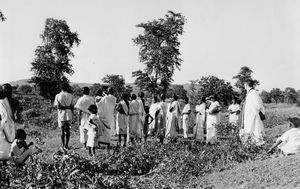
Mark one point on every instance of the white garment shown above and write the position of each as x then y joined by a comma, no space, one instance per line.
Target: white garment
122,120
253,125
234,117
290,141
92,132
7,129
83,104
142,115
106,108
200,121
212,120
64,99
173,116
185,119
152,111
163,111
134,130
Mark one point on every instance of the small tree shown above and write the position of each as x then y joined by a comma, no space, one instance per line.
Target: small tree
178,90
266,96
290,95
159,51
117,82
244,74
212,85
25,89
193,92
277,95
52,58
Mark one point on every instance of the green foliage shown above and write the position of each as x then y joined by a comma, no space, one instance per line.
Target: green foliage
265,96
25,89
178,90
52,58
159,51
117,82
277,95
290,95
212,85
244,74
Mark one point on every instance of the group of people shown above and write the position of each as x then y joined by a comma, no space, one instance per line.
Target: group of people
134,120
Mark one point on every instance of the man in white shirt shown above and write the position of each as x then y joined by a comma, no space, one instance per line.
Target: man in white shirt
185,117
64,102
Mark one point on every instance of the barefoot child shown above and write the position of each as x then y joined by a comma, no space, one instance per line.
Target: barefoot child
93,130
148,121
19,150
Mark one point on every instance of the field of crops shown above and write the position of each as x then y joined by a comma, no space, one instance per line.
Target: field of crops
176,164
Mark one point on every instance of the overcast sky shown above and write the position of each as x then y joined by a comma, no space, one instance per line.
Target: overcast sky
220,37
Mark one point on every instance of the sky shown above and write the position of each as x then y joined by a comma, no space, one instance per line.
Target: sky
220,37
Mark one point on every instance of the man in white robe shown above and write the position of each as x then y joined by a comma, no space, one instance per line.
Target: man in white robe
122,119
200,120
154,108
7,127
185,117
64,102
252,124
142,113
135,132
106,108
213,118
82,105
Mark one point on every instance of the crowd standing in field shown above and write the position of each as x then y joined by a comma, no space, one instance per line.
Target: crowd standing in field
133,119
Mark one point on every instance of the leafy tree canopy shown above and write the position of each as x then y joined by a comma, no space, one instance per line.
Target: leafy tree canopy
277,95
52,58
244,74
159,52
117,82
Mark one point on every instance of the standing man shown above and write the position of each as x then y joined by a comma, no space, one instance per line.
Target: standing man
64,102
253,114
142,113
135,132
185,117
106,110
83,103
172,127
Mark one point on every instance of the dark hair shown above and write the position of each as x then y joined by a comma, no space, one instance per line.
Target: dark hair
7,89
295,121
20,134
155,98
64,86
86,90
163,97
186,99
99,92
125,96
175,97
110,90
2,93
93,108
250,82
203,99
133,97
141,94
146,109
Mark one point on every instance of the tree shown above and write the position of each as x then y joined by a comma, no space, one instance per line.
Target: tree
212,85
94,88
290,95
117,82
242,76
25,89
266,96
277,95
52,58
2,17
178,90
193,92
76,90
159,52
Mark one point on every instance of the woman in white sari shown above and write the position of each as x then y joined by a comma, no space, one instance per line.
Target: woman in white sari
173,116
213,118
7,127
200,120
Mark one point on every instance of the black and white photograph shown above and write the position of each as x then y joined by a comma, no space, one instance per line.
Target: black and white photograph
162,94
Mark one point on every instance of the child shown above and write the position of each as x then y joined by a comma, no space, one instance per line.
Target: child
289,142
19,150
93,130
148,121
